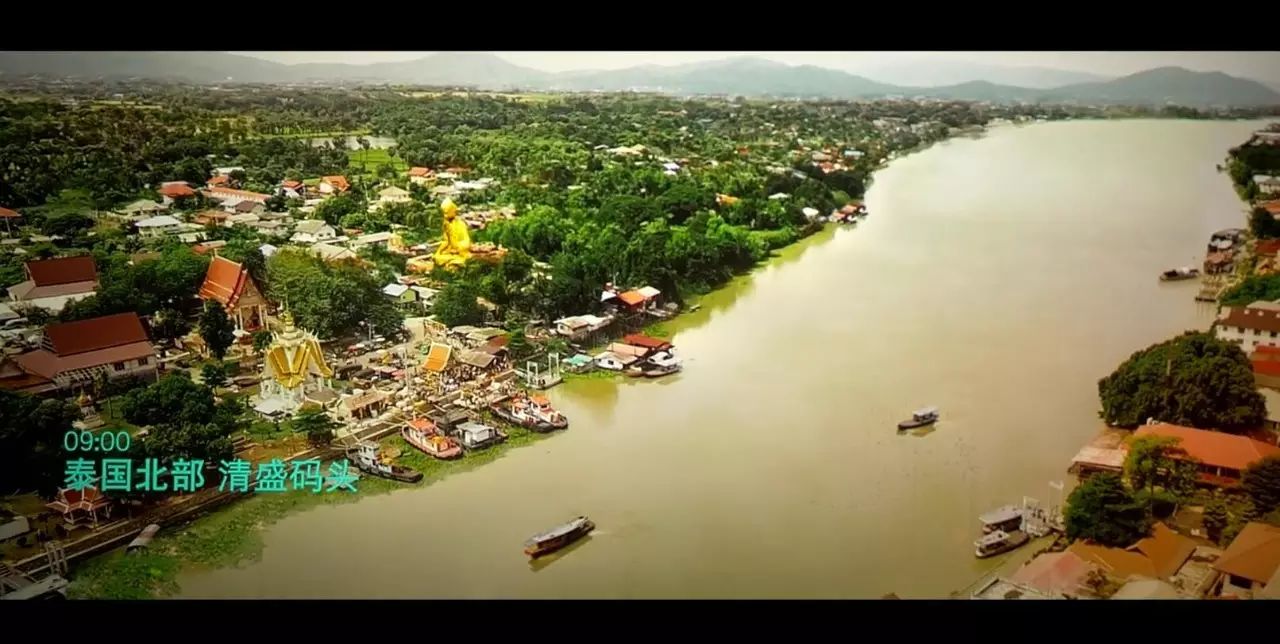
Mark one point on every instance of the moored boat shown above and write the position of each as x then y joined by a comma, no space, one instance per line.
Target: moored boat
558,537
421,434
1178,274
921,418
532,412
1005,518
367,460
659,364
999,542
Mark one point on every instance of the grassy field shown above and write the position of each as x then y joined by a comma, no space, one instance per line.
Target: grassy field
232,534
369,160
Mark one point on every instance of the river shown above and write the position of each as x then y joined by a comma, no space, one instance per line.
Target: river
997,277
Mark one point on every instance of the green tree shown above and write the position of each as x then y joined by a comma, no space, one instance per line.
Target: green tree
456,304
31,450
1263,225
1194,379
261,341
216,329
1215,518
316,425
173,398
1102,510
214,374
169,324
1158,463
1261,481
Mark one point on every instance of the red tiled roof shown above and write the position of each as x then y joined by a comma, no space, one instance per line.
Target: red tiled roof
1254,554
1272,207
211,217
225,193
1166,549
338,182
177,191
631,298
1251,318
641,340
420,172
1267,247
47,364
1056,573
1266,367
224,281
70,338
1266,350
1215,449
5,213
220,180
291,184
62,270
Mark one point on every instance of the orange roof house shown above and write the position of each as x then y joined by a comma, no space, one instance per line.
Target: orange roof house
1158,556
221,180
52,283
334,184
211,217
420,172
641,340
1222,456
1057,573
6,213
72,353
177,190
230,285
1272,206
1253,558
631,298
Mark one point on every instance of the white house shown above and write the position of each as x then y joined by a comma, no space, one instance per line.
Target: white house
393,195
292,189
331,252
1250,326
613,361
312,231
247,219
223,172
420,176
158,226
372,239
425,295
1267,184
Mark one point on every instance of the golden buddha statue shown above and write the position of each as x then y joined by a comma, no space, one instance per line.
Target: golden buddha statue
455,248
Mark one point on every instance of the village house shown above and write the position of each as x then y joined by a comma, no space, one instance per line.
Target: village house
1057,575
1266,367
227,170
230,285
334,185
1105,453
404,296
382,239
247,207
425,295
172,191
1250,566
1267,184
231,197
641,299
1220,457
219,181
140,209
312,231
1266,137
292,189
1159,556
158,226
204,248
420,176
392,195
332,252
1257,324
52,283
211,217
73,353
580,326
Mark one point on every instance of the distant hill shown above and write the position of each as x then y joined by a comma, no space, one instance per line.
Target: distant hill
946,73
734,76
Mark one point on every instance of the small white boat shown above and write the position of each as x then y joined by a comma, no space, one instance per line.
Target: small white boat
921,418
1178,274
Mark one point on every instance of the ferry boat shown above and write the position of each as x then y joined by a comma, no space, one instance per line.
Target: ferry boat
558,537
1179,274
421,433
475,435
532,412
999,542
658,365
1005,518
367,459
921,418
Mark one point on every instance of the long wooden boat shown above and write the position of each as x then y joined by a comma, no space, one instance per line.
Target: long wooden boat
558,537
537,415
367,460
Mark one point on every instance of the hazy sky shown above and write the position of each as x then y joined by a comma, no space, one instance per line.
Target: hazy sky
1261,65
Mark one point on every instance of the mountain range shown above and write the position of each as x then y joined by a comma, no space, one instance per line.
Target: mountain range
744,76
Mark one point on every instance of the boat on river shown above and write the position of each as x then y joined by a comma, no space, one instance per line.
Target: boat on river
1005,518
369,461
999,542
921,418
660,364
422,434
530,412
1179,274
558,537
